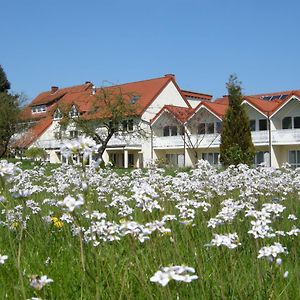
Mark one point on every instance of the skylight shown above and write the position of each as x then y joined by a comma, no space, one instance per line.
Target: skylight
134,99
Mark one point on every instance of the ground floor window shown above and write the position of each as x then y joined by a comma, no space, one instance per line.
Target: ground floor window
261,157
175,160
130,160
294,158
212,158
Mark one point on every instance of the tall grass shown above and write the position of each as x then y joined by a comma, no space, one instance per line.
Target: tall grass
122,269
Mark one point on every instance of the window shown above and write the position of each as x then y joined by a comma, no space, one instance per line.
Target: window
252,124
57,135
263,124
296,122
134,99
166,131
57,115
287,123
170,131
173,130
294,158
218,127
73,134
201,128
212,158
181,130
175,160
261,157
39,109
73,112
127,125
130,160
210,128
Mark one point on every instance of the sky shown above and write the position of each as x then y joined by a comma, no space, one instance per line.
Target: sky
202,42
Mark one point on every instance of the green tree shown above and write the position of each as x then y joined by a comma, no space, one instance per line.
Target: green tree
236,142
37,154
4,83
9,110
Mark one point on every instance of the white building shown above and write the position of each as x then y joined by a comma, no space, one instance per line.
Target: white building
274,122
180,126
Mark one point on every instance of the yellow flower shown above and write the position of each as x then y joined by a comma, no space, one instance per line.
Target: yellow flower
15,225
57,222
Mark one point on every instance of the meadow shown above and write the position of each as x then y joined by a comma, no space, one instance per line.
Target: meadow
73,232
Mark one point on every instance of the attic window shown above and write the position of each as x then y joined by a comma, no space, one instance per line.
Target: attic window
134,99
39,109
57,115
73,112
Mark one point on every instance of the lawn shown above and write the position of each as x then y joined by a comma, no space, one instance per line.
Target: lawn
83,233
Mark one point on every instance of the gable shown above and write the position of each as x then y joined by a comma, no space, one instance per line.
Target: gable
170,95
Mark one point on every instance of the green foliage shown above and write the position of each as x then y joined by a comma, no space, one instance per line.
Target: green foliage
122,269
236,143
9,110
36,153
4,83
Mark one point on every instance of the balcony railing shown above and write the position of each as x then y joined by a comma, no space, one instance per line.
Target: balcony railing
285,136
114,141
259,138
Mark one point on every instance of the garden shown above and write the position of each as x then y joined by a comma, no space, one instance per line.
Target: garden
77,232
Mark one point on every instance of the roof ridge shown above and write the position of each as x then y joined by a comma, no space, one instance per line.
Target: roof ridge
162,77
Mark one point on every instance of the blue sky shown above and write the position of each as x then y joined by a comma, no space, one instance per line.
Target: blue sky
68,42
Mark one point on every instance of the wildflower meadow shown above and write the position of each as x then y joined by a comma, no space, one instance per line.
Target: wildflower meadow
76,232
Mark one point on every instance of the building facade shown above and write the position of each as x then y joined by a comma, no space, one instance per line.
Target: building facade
179,127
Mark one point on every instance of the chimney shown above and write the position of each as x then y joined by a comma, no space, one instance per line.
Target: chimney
54,89
170,76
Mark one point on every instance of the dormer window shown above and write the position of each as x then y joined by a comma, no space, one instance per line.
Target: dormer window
170,131
127,125
134,99
39,109
57,115
73,112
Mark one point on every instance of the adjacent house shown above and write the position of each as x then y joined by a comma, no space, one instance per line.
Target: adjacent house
183,136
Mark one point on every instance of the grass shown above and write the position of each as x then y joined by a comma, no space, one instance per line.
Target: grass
122,269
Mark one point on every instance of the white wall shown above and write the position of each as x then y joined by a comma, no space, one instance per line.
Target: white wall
193,102
202,116
170,96
291,109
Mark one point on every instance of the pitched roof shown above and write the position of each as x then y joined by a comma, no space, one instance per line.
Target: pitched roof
51,96
180,113
33,133
199,96
266,107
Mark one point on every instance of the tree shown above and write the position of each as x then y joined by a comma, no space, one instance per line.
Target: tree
36,154
236,143
9,110
4,83
111,112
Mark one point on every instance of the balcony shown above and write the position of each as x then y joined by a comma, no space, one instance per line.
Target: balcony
260,138
286,136
161,142
198,141
49,144
130,139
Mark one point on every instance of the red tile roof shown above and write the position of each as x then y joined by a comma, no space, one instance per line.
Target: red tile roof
199,96
49,96
33,133
266,107
180,113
